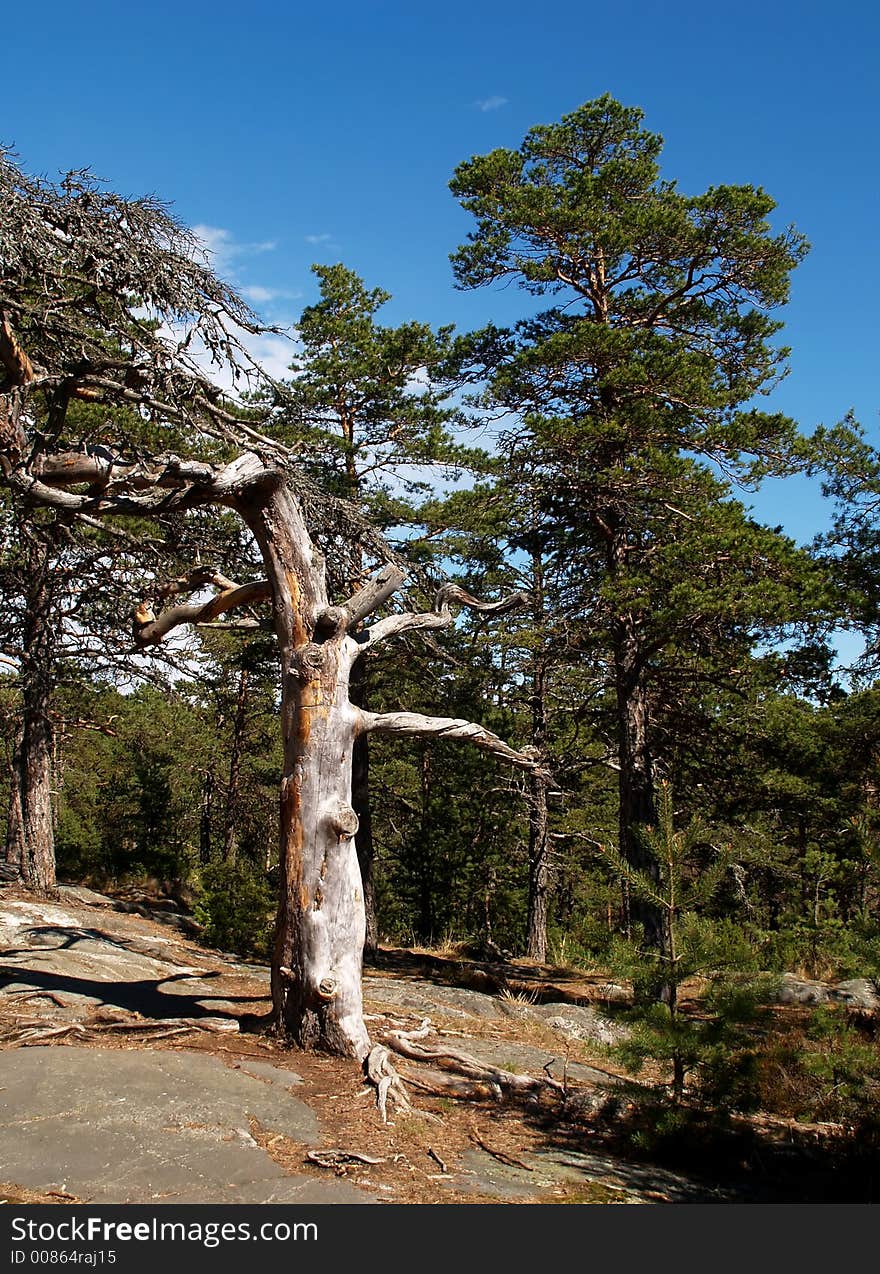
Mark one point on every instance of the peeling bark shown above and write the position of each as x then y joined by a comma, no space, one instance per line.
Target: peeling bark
360,799
316,973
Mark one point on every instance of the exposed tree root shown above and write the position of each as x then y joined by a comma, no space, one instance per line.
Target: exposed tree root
498,1081
434,1081
470,1079
38,1031
379,1071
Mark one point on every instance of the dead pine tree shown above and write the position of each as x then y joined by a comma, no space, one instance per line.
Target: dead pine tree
80,267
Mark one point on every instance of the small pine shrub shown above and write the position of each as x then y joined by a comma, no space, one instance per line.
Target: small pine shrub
235,906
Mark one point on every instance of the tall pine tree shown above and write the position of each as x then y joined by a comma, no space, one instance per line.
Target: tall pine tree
631,395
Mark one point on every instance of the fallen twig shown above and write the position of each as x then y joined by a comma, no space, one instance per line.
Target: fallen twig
338,1158
501,1155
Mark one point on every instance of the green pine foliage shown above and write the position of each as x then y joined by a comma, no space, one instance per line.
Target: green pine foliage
235,906
685,874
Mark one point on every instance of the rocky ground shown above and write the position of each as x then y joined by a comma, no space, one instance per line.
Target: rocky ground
135,1067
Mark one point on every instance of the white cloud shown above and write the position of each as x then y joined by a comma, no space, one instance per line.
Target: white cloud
224,248
490,103
213,239
272,353
259,295
320,240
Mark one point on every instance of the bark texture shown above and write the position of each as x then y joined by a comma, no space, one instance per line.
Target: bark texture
30,840
360,799
316,973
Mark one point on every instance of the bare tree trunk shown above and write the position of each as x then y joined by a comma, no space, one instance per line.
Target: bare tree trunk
360,799
539,845
318,955
359,696
536,936
234,783
30,840
316,970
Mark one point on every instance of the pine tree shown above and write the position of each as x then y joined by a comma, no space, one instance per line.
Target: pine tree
630,401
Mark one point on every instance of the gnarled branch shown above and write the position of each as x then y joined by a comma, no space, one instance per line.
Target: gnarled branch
441,615
383,585
19,369
150,629
416,725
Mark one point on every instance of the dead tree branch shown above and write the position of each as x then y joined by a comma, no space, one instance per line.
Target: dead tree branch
414,724
150,629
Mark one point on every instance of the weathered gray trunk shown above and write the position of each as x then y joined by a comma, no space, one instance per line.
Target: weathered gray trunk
359,696
316,970
360,799
316,967
30,840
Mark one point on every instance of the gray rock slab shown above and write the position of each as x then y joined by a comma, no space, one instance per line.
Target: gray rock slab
118,1126
80,894
581,1022
795,990
68,969
480,1173
427,998
526,1058
424,998
860,993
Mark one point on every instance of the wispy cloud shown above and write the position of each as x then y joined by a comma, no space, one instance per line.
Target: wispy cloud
259,295
224,248
490,103
317,239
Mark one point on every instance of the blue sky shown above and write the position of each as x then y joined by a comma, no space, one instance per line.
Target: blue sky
302,133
